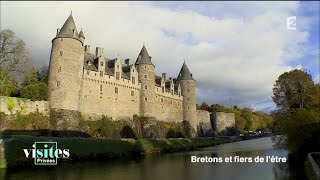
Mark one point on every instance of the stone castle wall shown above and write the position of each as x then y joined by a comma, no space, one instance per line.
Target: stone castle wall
13,105
168,108
105,95
204,126
203,116
221,121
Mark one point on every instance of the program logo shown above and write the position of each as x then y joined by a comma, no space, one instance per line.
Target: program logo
292,23
46,153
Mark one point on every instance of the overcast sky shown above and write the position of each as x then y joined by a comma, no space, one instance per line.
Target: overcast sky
233,49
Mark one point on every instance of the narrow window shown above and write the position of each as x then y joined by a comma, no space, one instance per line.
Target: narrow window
145,76
188,90
146,99
88,72
101,63
116,90
161,99
117,75
145,87
162,89
61,53
101,73
118,66
58,83
59,70
101,87
133,80
132,93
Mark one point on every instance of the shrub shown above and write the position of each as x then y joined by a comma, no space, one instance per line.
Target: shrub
37,91
10,104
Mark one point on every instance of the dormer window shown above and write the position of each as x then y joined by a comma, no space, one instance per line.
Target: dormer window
117,75
133,80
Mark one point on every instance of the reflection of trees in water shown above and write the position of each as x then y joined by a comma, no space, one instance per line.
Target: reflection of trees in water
281,171
279,141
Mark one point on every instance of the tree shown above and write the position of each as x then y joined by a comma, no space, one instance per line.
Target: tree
13,52
247,115
43,74
204,106
292,90
32,76
35,92
297,98
34,89
7,84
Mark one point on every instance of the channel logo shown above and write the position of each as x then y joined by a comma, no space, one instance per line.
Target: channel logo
46,153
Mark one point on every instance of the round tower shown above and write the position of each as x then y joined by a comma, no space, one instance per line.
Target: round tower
146,76
65,73
188,91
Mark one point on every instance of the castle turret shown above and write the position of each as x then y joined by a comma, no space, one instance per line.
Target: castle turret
146,76
65,73
188,91
81,36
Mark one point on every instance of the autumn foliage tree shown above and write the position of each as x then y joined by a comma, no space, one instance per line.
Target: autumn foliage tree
298,117
294,89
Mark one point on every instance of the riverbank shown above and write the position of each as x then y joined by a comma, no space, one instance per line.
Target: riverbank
100,149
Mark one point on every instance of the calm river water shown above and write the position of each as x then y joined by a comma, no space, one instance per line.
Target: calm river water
176,166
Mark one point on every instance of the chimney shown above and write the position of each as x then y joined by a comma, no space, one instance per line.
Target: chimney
127,61
99,51
164,75
87,48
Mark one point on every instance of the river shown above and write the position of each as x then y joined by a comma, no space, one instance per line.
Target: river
175,166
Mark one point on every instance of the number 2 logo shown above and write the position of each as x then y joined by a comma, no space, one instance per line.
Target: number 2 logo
292,22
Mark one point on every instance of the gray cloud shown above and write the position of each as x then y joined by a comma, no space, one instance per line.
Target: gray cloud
229,54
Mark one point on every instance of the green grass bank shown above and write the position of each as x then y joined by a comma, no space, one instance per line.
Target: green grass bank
99,149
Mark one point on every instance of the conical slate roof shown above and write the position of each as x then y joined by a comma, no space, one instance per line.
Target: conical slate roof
143,57
81,34
185,73
69,29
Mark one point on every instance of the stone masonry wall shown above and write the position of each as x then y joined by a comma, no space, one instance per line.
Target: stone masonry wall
221,121
13,105
204,124
99,96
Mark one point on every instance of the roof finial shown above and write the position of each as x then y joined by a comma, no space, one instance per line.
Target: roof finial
71,13
143,43
184,60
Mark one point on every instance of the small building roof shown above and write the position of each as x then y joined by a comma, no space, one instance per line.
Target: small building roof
69,29
185,73
143,57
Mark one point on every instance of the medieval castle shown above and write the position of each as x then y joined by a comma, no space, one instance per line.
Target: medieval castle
82,82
